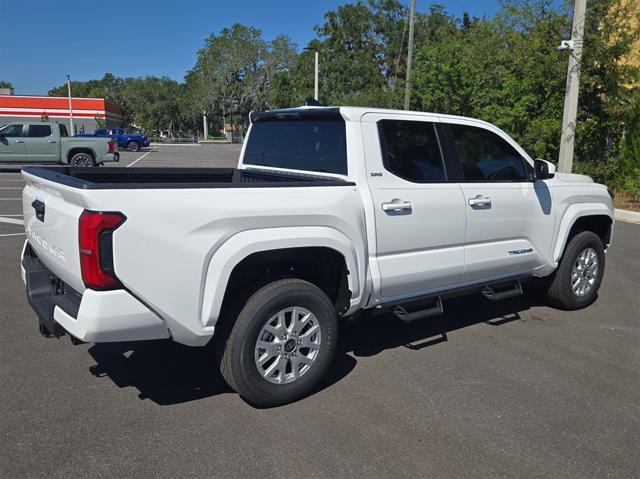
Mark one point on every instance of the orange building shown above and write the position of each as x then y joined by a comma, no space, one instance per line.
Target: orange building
88,113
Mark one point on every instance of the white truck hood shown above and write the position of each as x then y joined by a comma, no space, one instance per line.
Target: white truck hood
573,178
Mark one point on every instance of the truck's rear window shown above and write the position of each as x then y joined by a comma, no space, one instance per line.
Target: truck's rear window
307,144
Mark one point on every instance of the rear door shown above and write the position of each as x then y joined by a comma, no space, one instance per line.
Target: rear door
419,209
509,217
41,144
12,143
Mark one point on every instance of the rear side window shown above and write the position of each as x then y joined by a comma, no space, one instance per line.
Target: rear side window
305,144
63,131
411,151
485,156
39,131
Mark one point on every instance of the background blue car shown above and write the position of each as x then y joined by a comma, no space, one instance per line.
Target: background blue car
124,140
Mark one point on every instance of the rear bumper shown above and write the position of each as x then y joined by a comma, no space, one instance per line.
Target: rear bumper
93,316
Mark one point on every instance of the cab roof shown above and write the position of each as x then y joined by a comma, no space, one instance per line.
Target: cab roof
351,113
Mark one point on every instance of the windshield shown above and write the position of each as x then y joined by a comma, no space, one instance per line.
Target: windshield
301,144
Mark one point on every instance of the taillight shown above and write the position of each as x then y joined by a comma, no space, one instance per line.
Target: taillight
112,146
95,230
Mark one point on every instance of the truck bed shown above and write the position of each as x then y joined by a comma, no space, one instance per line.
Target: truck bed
165,178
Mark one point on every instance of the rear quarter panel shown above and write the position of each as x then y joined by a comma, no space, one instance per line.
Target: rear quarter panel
165,251
99,146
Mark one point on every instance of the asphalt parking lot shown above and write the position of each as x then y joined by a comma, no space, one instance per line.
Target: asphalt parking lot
514,389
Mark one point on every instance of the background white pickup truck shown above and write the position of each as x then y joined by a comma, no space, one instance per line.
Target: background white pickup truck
330,211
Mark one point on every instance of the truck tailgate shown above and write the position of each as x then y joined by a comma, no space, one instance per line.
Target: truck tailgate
51,225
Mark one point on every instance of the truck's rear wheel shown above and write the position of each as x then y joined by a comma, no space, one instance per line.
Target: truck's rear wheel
133,146
579,274
281,344
82,159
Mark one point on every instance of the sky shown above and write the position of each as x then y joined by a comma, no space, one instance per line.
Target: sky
41,41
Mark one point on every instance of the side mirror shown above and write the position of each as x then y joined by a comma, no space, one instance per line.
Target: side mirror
543,170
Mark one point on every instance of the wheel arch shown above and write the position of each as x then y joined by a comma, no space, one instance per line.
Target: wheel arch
584,217
316,254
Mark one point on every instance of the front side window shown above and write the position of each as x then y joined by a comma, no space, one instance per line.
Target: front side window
11,131
485,156
410,150
39,131
301,144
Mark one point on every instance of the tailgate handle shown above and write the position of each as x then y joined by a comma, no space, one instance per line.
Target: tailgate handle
38,206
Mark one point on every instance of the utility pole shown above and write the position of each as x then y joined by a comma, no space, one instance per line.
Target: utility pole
407,85
205,126
565,160
72,132
315,88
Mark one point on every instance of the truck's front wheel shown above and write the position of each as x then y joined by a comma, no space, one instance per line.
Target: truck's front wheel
133,146
281,344
579,274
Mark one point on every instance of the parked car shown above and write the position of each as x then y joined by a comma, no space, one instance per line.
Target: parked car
330,211
132,142
44,142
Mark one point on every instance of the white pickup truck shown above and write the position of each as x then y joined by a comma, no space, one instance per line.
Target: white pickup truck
331,210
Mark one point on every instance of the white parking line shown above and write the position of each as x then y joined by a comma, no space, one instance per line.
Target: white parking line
11,221
138,159
12,234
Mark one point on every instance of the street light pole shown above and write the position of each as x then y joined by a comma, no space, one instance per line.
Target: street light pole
72,132
205,125
565,160
315,87
407,85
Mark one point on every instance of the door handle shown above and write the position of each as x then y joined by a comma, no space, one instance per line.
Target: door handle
52,141
19,141
480,201
396,205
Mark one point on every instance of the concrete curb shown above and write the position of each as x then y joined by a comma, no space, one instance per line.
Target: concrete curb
626,215
174,144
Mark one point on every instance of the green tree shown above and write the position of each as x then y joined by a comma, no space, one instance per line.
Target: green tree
5,84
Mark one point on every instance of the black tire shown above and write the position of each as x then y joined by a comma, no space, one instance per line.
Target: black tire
561,293
133,146
82,159
237,348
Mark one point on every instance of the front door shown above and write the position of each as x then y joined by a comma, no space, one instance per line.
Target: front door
12,143
41,144
419,211
510,218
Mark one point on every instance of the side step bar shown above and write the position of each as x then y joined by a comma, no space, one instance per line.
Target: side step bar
406,317
498,292
493,292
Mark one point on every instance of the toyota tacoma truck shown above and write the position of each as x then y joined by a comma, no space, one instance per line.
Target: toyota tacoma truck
130,141
49,142
331,210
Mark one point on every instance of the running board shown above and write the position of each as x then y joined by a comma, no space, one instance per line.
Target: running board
406,317
504,291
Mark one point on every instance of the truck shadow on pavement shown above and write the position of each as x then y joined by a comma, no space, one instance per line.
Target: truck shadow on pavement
169,373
